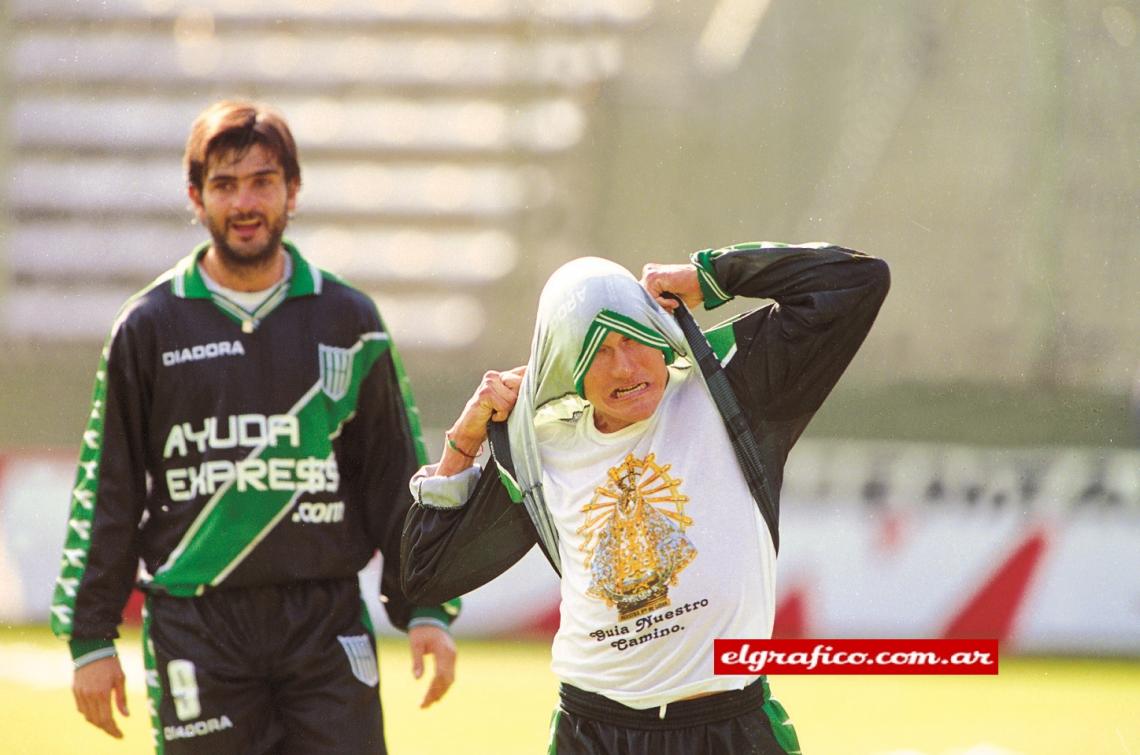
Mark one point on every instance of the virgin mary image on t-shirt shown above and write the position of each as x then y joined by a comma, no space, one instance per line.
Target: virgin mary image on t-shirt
635,541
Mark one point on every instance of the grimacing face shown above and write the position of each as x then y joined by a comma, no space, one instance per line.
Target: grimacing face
245,204
625,382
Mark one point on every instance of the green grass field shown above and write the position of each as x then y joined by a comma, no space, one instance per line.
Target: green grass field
504,694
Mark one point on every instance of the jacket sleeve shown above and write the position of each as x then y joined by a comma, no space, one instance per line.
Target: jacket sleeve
790,354
380,449
450,551
101,549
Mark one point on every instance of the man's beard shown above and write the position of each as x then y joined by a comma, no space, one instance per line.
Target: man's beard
252,259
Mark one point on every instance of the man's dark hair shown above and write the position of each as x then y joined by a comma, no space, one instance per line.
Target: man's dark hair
235,126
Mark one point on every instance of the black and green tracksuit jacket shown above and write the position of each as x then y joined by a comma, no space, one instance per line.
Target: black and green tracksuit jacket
229,449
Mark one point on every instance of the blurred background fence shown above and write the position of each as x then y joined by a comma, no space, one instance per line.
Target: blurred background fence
454,152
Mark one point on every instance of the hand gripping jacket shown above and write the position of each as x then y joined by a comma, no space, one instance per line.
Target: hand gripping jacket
233,449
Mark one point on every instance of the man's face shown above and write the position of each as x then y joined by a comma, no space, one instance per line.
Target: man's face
245,204
625,382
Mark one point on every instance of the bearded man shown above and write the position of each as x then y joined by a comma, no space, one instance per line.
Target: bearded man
250,440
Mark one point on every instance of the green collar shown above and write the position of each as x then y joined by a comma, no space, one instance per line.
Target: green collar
187,281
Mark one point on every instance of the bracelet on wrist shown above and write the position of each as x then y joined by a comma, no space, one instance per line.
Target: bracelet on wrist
454,447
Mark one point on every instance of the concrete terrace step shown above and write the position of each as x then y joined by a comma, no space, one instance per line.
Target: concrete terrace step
264,57
471,126
452,13
432,133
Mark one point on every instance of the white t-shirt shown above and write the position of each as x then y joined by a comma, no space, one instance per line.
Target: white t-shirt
663,550
248,300
662,547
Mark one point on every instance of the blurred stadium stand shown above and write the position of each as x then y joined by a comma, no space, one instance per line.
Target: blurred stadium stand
427,129
433,135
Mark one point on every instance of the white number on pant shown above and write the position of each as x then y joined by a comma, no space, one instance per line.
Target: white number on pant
184,689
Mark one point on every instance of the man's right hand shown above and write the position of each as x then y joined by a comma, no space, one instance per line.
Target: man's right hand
93,686
492,400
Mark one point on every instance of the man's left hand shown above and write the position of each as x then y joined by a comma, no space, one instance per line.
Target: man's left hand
676,279
431,640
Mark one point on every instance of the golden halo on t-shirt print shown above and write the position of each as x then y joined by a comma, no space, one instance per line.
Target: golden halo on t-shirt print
634,536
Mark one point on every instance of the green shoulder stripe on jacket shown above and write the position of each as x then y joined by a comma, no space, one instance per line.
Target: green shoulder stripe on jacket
722,337
77,543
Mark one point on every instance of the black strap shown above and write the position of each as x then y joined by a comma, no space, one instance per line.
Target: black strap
743,440
500,441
